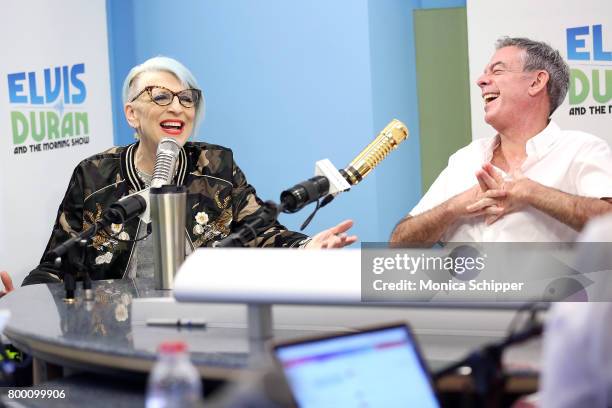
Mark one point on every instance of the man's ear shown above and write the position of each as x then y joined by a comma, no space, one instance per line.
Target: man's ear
539,83
131,116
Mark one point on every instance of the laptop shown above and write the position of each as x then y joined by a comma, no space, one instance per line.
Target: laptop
375,367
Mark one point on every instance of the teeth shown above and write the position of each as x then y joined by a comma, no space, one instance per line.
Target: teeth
172,124
489,97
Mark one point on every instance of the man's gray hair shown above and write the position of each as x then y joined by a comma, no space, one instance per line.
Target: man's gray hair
539,55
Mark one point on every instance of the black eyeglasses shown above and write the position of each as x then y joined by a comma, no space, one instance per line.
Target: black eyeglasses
164,97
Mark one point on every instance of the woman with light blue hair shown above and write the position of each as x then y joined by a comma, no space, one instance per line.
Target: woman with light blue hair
150,106
162,99
172,66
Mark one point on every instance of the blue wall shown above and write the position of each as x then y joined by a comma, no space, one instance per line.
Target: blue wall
290,83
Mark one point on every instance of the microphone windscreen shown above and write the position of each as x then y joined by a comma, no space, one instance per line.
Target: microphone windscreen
165,162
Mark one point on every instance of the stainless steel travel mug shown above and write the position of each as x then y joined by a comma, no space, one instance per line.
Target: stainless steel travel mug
168,218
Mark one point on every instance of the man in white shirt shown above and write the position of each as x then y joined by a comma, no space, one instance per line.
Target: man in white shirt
532,181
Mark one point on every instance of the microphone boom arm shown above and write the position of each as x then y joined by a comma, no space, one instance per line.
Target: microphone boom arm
327,183
261,221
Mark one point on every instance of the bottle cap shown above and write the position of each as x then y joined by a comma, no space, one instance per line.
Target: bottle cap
171,347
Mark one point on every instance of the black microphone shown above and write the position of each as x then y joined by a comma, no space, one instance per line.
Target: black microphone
306,192
127,208
251,226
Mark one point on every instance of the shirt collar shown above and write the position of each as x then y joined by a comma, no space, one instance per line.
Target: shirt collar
128,164
489,147
537,147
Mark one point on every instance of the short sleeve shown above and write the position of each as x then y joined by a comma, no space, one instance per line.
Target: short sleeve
436,195
593,170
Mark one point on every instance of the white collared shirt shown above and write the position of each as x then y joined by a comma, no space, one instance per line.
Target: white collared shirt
571,161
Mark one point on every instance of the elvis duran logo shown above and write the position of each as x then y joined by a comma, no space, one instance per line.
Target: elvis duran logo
47,109
593,78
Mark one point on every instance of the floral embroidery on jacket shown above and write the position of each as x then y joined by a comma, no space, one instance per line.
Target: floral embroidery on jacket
102,242
201,218
219,203
216,229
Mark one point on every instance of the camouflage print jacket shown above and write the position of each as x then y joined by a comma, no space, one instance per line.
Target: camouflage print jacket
218,199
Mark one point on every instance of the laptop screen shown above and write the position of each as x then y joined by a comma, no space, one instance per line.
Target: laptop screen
374,368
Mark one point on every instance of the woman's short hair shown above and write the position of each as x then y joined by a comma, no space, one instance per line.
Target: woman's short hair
167,64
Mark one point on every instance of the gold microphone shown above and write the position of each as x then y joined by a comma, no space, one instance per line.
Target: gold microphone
388,139
329,182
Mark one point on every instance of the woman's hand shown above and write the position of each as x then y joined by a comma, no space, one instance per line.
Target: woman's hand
7,282
334,237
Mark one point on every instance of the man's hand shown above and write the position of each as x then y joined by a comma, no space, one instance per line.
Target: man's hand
430,226
506,195
334,237
477,201
7,282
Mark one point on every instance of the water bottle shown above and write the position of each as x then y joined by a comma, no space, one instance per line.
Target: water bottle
174,381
